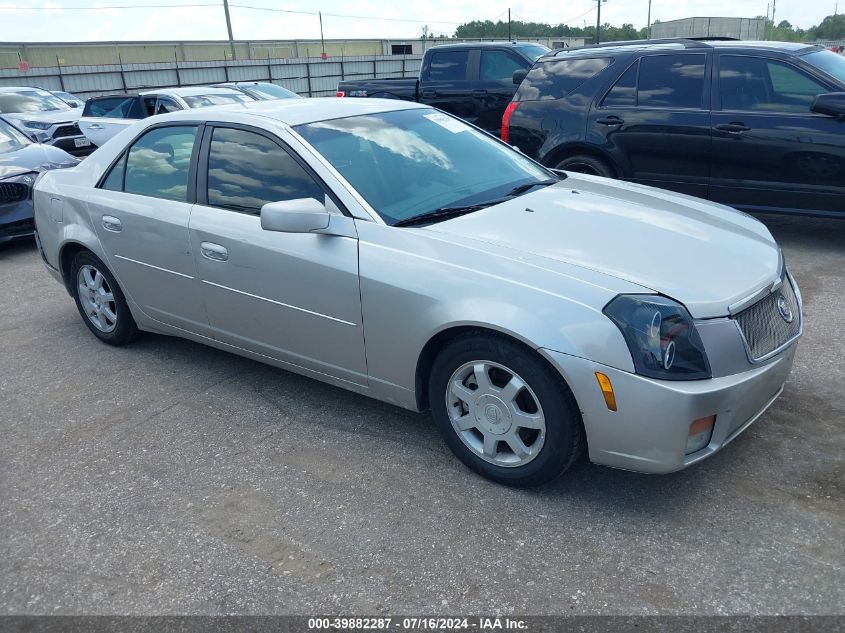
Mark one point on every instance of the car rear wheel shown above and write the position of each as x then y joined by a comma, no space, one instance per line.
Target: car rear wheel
504,411
100,300
584,164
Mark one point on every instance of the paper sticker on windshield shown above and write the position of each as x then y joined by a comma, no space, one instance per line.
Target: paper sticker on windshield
444,120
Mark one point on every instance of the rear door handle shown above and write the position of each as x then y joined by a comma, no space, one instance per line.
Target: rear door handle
213,251
111,223
429,92
94,126
479,93
611,120
734,127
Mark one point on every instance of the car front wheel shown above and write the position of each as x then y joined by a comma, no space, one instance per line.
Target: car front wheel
504,411
100,300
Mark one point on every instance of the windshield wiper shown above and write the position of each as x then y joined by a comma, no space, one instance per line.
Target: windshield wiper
520,189
444,213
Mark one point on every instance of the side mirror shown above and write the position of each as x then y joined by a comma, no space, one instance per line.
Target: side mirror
519,75
40,137
830,104
303,215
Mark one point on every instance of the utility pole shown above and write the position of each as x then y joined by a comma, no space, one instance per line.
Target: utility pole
598,21
648,22
322,41
509,25
229,27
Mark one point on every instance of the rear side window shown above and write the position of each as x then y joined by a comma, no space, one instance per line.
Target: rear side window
499,66
112,107
247,170
158,163
661,81
671,81
448,66
556,79
757,84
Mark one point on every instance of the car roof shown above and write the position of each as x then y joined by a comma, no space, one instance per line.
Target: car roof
297,111
629,46
20,88
189,91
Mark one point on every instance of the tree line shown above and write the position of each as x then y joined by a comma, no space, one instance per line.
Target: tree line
831,28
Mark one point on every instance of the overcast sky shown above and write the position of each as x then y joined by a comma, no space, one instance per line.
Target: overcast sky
52,22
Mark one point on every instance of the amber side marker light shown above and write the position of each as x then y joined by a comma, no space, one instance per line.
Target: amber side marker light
606,390
700,431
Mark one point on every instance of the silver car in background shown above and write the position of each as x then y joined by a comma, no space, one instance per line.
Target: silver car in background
393,250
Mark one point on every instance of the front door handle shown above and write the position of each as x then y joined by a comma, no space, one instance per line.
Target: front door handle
214,252
94,126
429,92
111,223
611,120
734,127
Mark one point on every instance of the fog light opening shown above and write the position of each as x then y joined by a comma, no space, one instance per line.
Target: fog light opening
606,390
700,431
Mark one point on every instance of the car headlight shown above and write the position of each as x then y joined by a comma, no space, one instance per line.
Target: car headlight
37,125
661,336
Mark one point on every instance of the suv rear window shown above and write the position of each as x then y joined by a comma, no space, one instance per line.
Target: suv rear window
661,81
558,78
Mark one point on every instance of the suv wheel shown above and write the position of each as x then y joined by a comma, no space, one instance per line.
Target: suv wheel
584,164
503,411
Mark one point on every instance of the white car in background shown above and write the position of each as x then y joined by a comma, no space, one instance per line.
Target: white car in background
103,117
44,118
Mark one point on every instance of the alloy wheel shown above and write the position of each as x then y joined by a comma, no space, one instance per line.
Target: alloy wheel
96,298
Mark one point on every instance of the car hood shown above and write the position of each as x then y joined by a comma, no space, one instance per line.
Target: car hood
704,255
34,157
51,116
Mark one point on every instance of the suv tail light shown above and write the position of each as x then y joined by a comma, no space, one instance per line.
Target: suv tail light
340,93
506,119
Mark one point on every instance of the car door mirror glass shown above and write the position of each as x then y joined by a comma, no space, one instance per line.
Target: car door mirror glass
519,75
830,104
302,215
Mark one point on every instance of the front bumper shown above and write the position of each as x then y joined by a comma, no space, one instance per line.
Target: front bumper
68,144
648,432
16,220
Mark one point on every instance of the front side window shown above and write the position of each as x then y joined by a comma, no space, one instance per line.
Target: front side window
410,162
448,66
557,78
499,66
112,107
159,162
759,84
671,81
247,170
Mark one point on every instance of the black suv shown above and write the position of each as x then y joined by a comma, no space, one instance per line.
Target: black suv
755,125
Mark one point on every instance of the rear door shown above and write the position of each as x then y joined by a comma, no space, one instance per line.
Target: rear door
103,117
654,121
445,81
769,150
495,88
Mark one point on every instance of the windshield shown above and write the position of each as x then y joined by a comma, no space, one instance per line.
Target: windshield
270,91
829,62
204,101
410,162
533,51
30,101
10,139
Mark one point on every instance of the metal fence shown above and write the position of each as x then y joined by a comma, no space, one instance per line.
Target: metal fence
311,77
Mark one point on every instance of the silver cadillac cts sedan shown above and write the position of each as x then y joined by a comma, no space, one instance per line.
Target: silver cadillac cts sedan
393,250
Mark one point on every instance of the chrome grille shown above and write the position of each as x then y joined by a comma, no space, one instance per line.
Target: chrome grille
12,192
764,328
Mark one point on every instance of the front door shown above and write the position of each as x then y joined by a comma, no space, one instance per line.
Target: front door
495,87
140,211
769,151
654,122
292,297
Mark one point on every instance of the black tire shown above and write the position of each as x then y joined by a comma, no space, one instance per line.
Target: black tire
564,436
584,164
125,329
